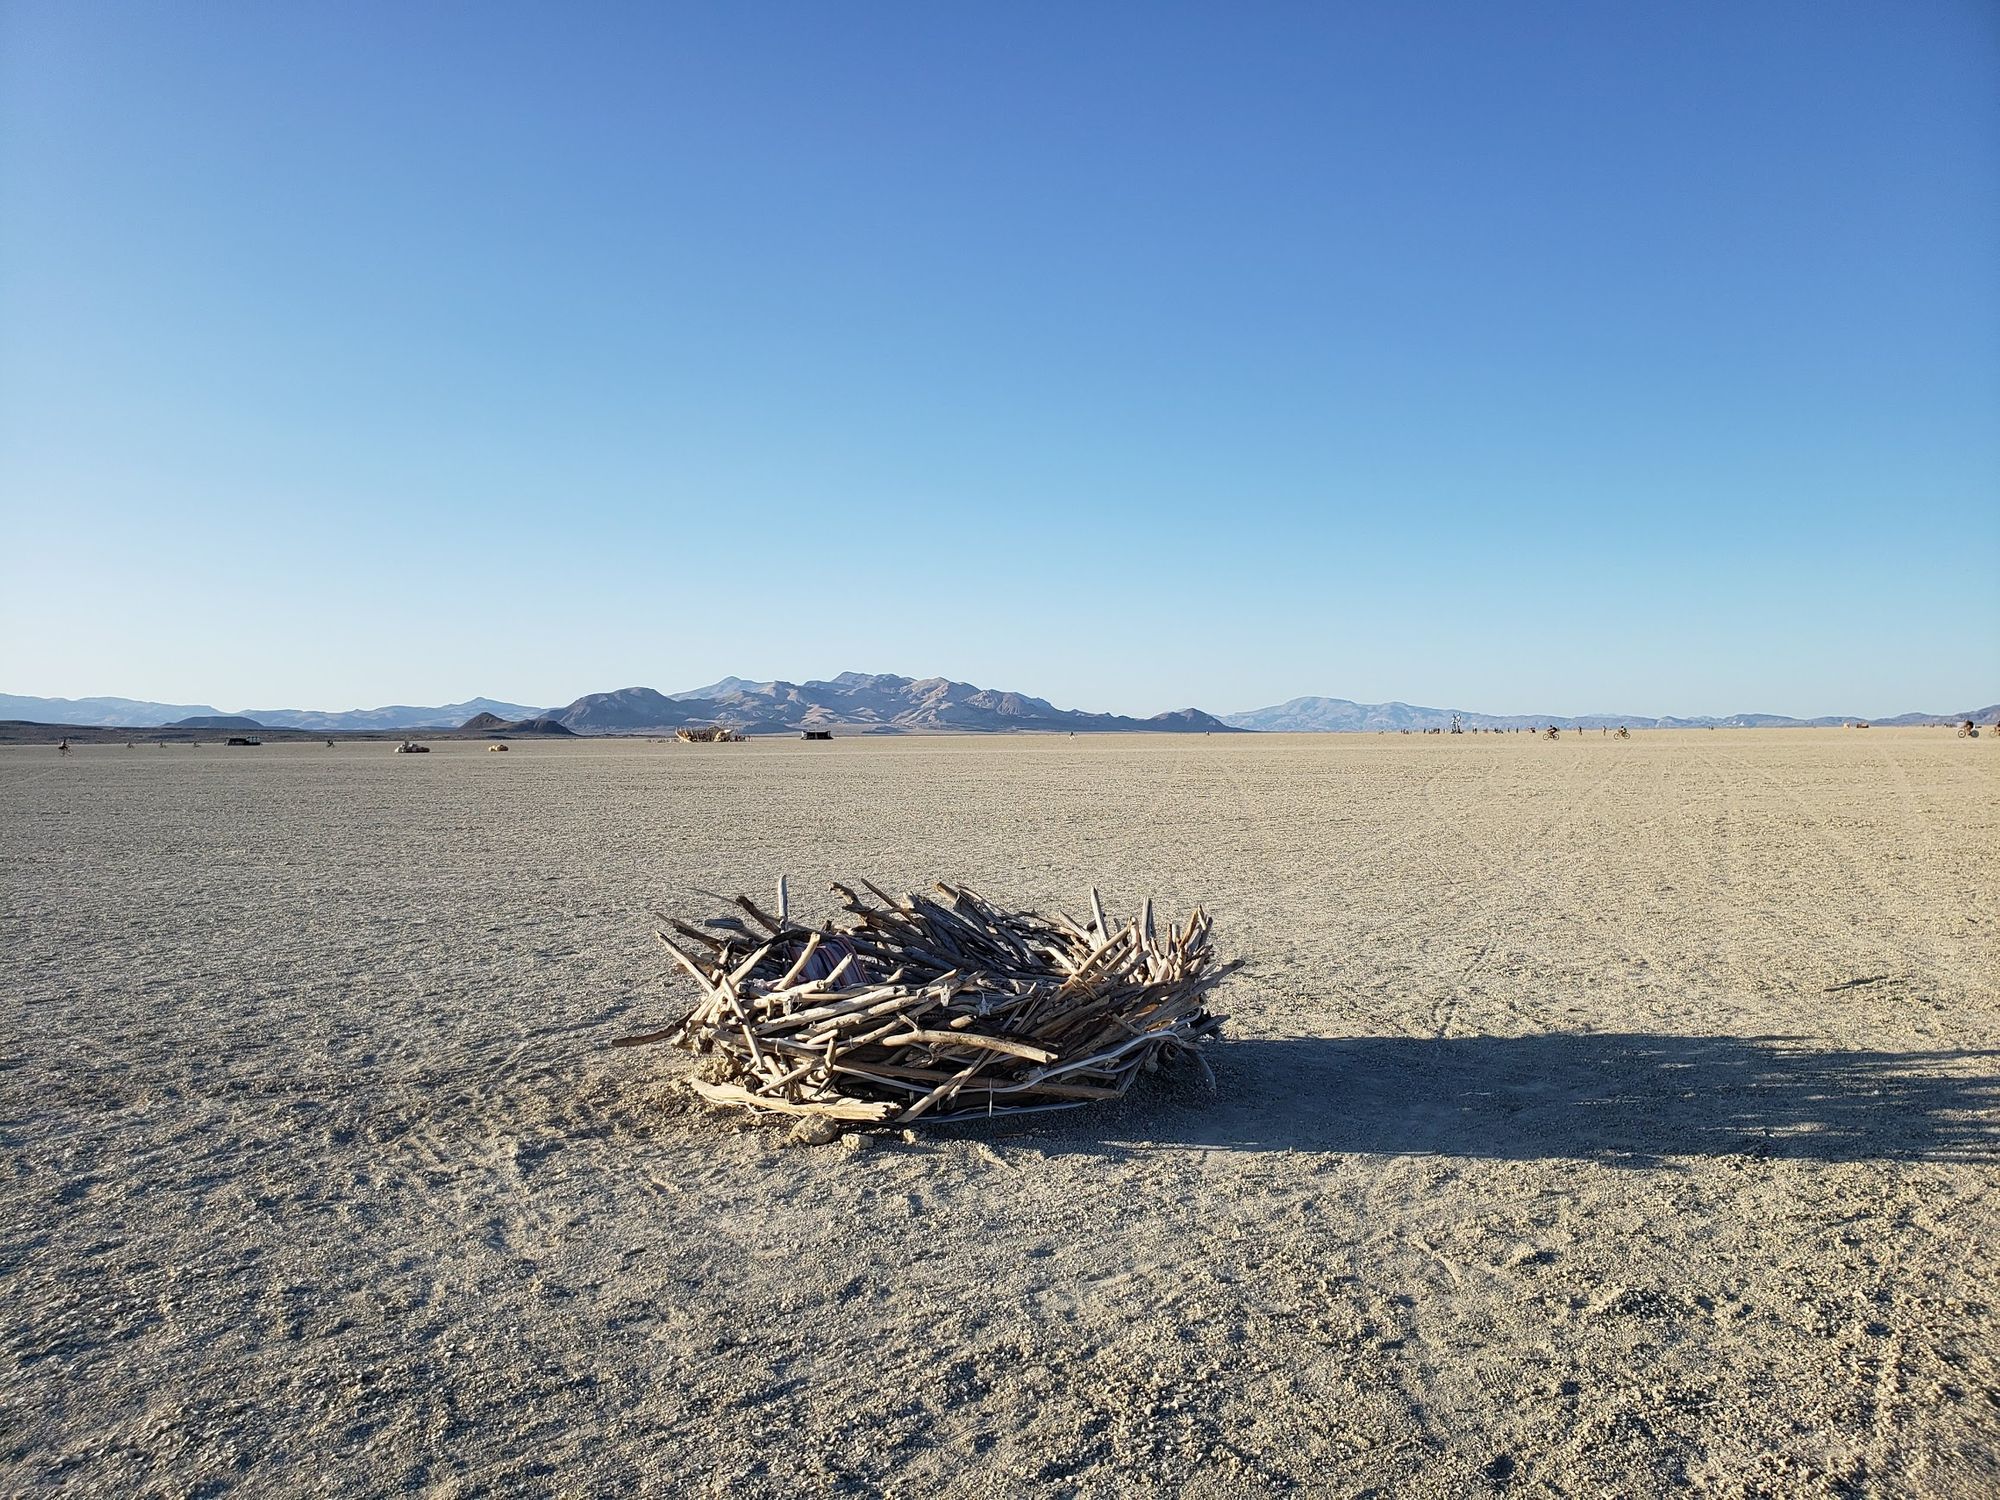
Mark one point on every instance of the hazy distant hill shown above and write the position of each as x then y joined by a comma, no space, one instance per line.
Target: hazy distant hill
869,702
393,716
217,721
99,711
1339,715
1987,715
138,713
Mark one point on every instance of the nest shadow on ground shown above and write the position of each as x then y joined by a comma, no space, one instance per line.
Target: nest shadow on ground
1620,1098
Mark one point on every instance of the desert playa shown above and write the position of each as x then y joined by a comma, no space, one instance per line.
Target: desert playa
1593,1118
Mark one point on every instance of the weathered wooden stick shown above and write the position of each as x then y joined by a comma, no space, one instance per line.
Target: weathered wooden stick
840,1109
799,964
686,962
943,1091
973,1039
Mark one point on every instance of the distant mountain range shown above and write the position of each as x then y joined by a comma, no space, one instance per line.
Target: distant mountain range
1338,715
854,701
874,703
877,703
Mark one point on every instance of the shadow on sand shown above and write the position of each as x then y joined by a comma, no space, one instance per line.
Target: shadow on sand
1629,1099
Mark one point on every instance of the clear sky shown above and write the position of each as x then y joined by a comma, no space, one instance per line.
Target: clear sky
1638,357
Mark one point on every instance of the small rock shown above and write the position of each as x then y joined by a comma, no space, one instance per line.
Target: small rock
813,1130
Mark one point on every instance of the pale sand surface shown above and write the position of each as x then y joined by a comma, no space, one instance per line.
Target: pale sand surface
1549,1156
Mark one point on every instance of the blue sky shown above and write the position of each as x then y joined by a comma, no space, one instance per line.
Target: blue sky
1524,357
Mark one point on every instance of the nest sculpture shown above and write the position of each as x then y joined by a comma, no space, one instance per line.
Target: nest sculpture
938,1007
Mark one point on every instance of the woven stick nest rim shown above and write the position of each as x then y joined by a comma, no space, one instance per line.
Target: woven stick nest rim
937,1006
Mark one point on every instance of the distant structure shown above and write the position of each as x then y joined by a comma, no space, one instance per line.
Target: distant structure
491,749
241,739
711,734
1457,725
816,734
411,747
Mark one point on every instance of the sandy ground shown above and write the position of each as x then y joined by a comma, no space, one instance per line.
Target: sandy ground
1596,1118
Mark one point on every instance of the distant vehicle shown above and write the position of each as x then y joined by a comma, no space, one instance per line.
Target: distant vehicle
240,739
411,747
